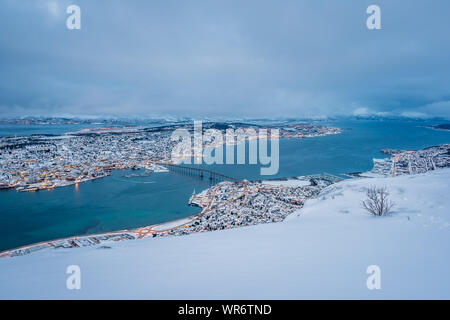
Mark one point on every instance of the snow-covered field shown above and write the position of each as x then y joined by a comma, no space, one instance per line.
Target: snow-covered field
322,251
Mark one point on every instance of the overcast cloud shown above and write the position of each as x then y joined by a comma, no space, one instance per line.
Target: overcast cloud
225,58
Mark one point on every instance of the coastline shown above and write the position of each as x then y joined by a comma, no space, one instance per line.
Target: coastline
97,238
74,241
161,229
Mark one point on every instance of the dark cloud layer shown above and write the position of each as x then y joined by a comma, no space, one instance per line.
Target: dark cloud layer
231,58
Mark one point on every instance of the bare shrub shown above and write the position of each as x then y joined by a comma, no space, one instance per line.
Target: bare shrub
377,202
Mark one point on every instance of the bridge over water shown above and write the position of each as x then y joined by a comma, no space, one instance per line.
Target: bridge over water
200,172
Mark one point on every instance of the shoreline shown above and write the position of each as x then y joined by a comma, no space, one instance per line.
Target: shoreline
137,232
160,229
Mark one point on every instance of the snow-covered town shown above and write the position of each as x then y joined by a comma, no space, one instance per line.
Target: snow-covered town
229,205
39,162
44,162
412,162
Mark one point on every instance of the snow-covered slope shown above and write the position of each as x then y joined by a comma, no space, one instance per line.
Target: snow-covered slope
322,251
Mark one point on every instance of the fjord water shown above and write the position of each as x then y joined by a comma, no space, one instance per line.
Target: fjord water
115,202
11,130
350,151
106,204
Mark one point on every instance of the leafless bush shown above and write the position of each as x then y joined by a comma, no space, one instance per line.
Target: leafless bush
377,202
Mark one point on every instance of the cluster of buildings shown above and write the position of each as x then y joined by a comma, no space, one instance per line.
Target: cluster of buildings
412,162
307,130
46,161
235,204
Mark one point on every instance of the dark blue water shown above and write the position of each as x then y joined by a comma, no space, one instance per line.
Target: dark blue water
115,202
350,151
106,204
11,130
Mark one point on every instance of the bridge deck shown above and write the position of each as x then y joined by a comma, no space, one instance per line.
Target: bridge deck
201,171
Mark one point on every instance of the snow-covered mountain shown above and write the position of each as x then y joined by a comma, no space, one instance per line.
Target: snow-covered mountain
321,251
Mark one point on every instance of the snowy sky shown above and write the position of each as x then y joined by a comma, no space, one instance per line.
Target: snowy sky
225,58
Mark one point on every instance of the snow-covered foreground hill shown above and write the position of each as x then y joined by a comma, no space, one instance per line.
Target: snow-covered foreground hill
322,251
